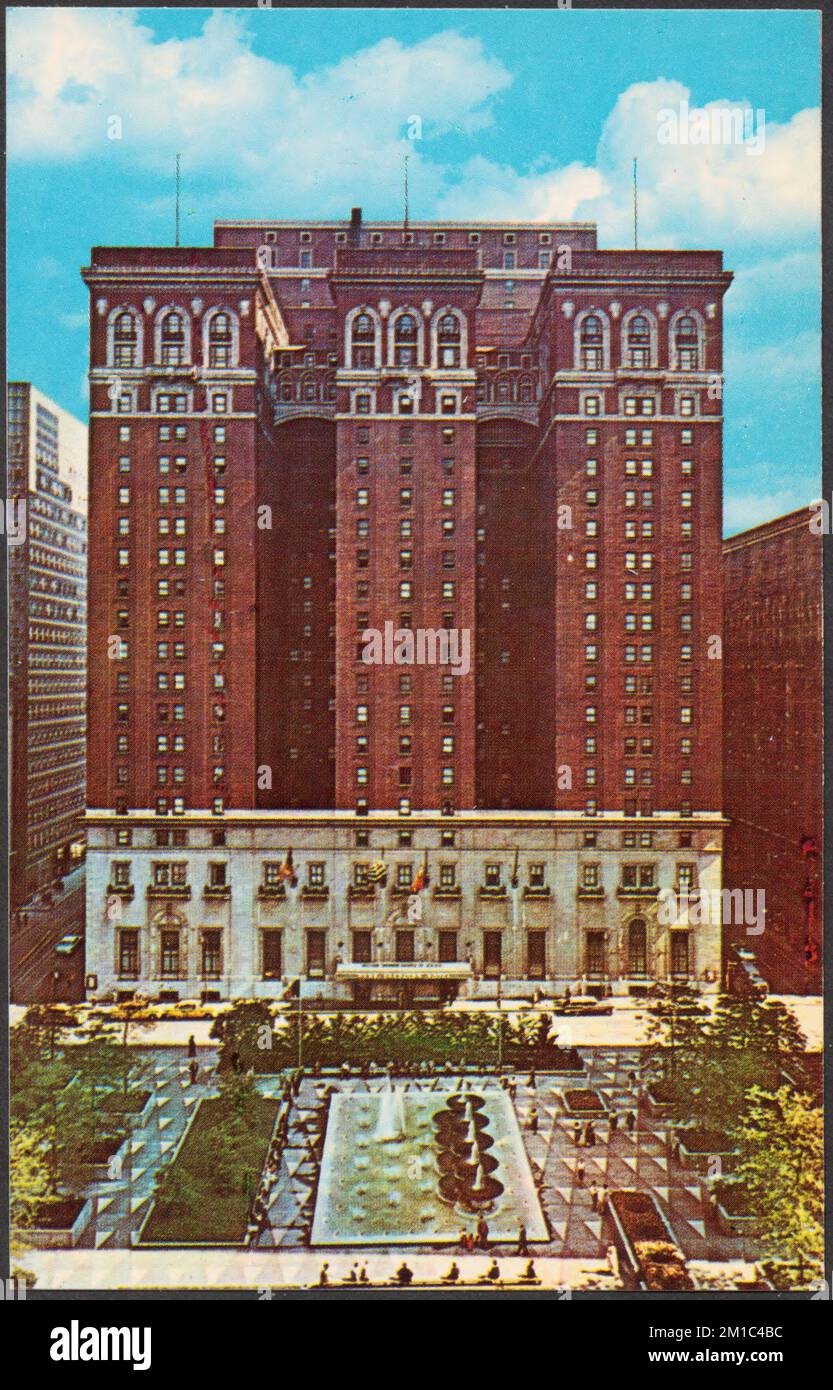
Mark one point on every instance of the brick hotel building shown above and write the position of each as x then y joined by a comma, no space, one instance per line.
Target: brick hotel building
313,429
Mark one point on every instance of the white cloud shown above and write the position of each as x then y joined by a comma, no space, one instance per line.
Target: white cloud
270,136
246,119
744,510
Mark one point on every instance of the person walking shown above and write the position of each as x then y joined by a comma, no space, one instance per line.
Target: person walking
630,1122
580,1172
590,1134
193,1070
594,1197
532,1120
577,1134
523,1248
192,1046
613,1124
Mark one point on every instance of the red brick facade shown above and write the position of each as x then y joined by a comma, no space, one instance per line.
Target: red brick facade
495,430
773,750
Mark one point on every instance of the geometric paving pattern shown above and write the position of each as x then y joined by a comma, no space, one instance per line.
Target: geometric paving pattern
620,1159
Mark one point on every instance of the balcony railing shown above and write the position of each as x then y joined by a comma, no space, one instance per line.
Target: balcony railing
361,892
595,893
271,892
217,890
537,890
127,891
169,890
318,891
492,890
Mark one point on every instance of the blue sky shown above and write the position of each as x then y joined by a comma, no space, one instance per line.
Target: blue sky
524,114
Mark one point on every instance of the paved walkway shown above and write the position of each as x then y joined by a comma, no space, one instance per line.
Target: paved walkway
580,1236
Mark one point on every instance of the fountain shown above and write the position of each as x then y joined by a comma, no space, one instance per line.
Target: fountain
405,1167
390,1124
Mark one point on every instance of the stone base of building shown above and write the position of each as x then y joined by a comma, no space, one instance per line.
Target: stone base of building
405,911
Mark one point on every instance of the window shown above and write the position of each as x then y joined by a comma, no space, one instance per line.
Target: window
172,339
170,954
272,956
637,947
129,953
686,344
210,951
639,342
219,342
591,341
125,340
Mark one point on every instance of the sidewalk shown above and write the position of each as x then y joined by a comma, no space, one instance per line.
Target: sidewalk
627,1026
264,1269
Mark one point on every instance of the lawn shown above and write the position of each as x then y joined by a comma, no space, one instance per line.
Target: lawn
202,1200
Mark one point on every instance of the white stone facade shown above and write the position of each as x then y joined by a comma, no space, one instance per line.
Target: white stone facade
516,902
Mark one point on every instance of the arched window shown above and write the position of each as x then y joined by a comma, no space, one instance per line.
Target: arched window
173,340
639,342
405,341
686,340
526,392
637,947
503,395
219,341
448,340
363,341
592,343
125,340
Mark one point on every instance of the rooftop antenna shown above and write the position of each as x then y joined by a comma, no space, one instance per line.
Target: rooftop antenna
406,193
177,200
635,206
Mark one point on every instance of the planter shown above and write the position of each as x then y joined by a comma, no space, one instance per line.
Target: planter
584,1104
649,1256
211,1218
733,1214
101,1161
698,1147
60,1223
132,1110
663,1098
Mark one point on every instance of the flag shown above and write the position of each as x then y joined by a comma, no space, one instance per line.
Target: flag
809,845
421,880
287,870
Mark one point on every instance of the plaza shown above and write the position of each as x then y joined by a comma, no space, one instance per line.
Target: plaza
571,1250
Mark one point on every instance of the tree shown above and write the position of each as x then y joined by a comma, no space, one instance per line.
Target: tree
781,1137
31,1180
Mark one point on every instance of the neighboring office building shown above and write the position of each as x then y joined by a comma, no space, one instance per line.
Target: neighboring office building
311,430
774,740
47,475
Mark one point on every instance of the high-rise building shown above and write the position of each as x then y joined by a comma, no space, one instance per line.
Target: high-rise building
407,544
47,548
774,741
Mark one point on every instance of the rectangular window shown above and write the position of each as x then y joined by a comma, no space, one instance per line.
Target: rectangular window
272,955
316,954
